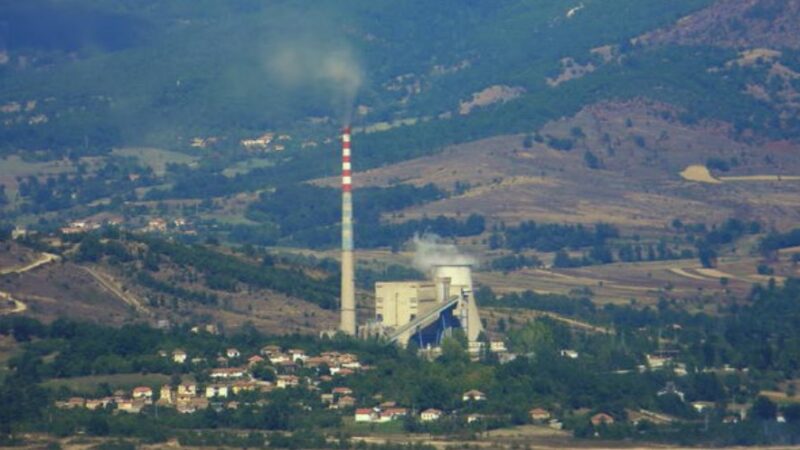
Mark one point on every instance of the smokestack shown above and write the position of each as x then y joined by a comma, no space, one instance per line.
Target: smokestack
348,300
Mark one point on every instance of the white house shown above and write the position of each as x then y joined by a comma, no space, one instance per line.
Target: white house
216,390
430,415
179,356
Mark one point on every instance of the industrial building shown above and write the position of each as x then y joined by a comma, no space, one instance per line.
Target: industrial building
424,312
427,311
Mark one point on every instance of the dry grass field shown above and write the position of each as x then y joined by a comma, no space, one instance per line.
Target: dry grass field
642,150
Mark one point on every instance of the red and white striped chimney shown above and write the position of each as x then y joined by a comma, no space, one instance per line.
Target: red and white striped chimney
348,300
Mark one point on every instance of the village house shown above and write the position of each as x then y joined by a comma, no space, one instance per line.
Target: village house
473,396
601,418
166,395
227,372
268,350
260,142
430,415
255,359
187,389
346,402
130,405
216,390
702,407
365,415
571,354
232,353
539,414
156,225
243,385
297,355
326,398
285,381
142,393
390,414
342,391
278,358
179,356
472,418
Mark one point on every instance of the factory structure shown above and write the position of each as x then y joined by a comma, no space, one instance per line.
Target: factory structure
423,312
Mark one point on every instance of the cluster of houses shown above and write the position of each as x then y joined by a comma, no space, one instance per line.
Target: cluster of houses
262,143
153,225
228,381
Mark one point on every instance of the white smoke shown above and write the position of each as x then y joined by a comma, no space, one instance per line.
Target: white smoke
306,62
431,251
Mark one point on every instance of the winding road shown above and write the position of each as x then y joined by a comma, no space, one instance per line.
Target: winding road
20,307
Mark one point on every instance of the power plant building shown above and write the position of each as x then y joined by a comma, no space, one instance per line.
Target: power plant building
427,311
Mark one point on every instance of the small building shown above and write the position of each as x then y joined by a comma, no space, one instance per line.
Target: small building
702,407
286,381
601,418
365,415
143,393
390,414
187,389
473,396
227,372
232,353
217,390
179,356
255,359
326,398
539,414
297,355
342,391
269,350
346,402
472,418
430,415
571,354
166,395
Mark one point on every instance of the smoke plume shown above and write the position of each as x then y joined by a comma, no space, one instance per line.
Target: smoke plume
310,62
430,251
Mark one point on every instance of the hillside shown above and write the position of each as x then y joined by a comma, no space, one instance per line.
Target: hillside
737,24
107,284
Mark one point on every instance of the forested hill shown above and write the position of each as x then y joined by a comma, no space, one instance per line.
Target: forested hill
162,72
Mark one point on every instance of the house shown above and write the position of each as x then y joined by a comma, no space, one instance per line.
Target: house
658,361
193,405
571,354
473,396
255,359
297,355
539,414
346,402
472,418
365,415
326,398
430,415
393,414
227,372
601,418
179,356
285,381
133,406
216,390
243,385
143,393
157,224
187,389
232,353
268,350
278,358
342,391
702,407
730,419
166,395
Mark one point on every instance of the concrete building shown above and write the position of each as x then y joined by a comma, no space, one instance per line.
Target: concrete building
427,311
